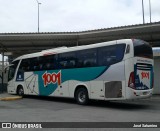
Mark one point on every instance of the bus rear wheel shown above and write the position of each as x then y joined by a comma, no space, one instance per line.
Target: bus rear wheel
20,91
82,96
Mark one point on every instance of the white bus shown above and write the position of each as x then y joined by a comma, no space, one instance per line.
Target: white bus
115,70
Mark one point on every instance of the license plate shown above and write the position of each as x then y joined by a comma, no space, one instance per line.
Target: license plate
145,93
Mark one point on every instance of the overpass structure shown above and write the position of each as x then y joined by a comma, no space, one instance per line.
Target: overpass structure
16,44
24,43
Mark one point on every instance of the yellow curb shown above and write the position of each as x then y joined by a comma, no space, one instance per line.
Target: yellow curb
10,98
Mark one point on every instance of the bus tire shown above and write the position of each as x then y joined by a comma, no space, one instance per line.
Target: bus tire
20,91
81,96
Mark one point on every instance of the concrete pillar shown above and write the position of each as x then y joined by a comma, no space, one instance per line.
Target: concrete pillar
2,70
156,89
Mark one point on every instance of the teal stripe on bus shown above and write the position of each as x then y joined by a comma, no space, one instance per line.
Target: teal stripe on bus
79,74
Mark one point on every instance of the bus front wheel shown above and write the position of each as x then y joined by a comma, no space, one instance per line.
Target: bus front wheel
20,91
82,96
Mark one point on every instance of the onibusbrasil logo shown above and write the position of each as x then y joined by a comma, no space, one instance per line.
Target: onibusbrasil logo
53,78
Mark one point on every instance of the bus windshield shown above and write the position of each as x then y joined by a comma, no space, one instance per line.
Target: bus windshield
12,70
142,49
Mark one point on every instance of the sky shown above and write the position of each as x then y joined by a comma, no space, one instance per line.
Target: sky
73,15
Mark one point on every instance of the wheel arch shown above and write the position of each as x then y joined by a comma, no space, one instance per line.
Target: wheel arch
19,86
80,86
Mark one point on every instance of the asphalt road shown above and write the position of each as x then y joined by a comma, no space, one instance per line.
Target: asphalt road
45,109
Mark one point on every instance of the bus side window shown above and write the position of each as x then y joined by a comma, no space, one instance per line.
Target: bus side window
87,58
106,55
120,51
33,64
24,65
67,60
48,63
109,55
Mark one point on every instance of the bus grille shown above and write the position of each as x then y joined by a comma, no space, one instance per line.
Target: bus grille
113,89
